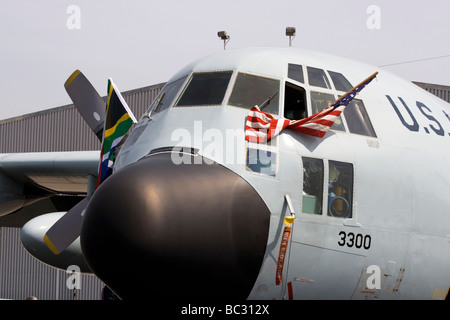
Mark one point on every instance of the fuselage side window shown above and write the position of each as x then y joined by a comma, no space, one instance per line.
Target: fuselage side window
313,172
358,121
250,90
205,89
294,102
340,189
261,161
321,101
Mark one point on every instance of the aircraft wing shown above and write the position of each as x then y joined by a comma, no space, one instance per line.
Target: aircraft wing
35,183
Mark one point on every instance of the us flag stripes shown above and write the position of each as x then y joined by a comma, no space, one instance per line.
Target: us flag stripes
262,126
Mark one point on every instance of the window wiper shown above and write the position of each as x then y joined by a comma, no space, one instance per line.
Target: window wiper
157,103
267,102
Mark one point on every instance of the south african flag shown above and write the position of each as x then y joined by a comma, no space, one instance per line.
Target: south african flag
119,119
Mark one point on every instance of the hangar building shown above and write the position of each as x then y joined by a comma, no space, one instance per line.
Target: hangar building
57,129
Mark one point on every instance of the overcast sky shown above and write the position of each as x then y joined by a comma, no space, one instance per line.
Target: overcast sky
140,43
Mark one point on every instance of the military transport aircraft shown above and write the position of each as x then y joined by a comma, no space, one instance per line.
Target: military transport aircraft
193,209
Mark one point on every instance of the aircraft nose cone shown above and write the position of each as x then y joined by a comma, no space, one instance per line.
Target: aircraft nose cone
156,229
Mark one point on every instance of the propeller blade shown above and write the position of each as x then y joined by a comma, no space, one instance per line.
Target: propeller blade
87,100
67,229
110,129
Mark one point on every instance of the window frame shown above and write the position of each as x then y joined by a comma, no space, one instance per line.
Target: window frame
324,202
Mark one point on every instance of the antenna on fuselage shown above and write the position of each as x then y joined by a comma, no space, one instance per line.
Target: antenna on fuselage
225,37
290,32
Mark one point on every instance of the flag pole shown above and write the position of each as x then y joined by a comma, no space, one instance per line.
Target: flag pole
359,84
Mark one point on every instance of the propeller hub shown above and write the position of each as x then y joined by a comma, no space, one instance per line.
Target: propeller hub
156,229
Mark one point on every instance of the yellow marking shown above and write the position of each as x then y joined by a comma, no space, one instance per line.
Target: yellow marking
289,220
50,245
71,78
110,131
439,294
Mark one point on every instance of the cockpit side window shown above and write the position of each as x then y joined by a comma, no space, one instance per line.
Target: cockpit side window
294,102
358,121
250,90
205,89
165,98
318,78
321,101
340,82
323,88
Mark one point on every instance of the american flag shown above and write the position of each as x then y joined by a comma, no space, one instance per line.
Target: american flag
262,126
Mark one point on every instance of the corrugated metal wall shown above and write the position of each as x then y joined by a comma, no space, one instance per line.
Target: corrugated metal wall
57,129
440,91
62,128
22,275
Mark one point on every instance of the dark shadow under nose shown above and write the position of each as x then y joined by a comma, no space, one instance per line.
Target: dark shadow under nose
156,229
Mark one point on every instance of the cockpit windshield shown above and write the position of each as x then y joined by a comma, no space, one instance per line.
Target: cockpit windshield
250,90
205,89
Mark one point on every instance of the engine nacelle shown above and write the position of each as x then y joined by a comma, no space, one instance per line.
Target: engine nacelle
32,237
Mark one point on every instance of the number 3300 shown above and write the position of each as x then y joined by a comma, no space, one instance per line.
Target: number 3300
352,240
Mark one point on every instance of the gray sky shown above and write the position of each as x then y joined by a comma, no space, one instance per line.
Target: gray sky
139,43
